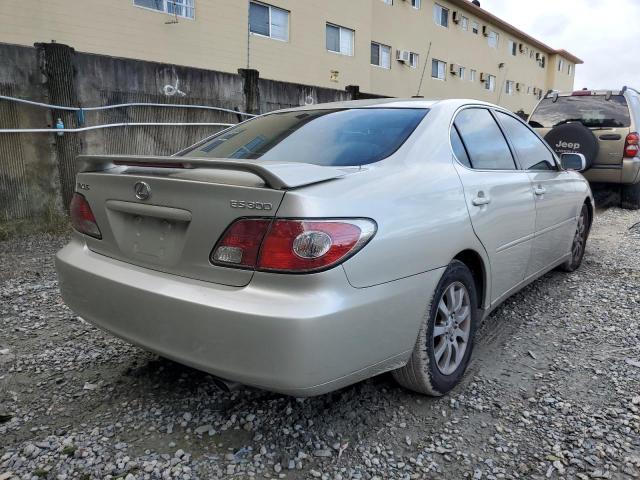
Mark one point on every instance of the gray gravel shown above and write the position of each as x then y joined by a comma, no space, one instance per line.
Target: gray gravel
553,392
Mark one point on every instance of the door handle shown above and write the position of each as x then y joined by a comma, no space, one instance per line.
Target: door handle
540,191
481,199
610,136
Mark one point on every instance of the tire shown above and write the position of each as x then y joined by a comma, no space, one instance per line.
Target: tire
579,243
574,137
422,373
631,196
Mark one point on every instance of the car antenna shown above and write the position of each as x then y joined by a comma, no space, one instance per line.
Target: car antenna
424,69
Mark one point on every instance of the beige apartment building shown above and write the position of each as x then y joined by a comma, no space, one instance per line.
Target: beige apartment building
400,48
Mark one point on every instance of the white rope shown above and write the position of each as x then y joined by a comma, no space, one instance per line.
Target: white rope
111,125
123,105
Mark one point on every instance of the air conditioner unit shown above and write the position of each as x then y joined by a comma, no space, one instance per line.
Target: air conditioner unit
483,77
403,56
455,17
454,68
485,31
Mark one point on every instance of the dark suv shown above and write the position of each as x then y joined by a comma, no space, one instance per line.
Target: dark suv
603,126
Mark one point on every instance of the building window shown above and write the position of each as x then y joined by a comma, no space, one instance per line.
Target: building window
464,23
340,39
475,28
438,69
529,90
268,21
570,69
441,15
542,62
513,48
509,87
413,60
490,83
461,72
388,2
560,65
472,75
493,39
415,3
531,53
380,55
181,8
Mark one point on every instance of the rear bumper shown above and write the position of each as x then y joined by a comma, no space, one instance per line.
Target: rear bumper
300,335
627,174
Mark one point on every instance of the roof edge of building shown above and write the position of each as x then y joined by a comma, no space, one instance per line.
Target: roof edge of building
490,17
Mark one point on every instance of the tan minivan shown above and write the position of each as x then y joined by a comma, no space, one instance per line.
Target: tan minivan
603,126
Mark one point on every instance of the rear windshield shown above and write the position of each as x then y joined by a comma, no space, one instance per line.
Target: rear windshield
338,137
592,111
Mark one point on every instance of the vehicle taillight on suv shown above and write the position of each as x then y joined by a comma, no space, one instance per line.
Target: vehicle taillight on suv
291,246
632,145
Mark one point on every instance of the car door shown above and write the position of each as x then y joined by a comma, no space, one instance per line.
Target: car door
554,191
499,196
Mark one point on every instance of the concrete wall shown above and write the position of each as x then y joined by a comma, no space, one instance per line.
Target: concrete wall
37,170
217,39
29,180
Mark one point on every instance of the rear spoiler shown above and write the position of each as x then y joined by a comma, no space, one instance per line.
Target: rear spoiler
277,175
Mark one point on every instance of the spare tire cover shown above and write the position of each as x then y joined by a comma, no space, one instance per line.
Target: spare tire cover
574,138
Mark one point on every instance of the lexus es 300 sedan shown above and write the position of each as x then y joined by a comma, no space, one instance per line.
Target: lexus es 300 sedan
308,249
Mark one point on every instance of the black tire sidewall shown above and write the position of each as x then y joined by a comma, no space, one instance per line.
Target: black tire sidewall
564,138
631,196
456,272
576,262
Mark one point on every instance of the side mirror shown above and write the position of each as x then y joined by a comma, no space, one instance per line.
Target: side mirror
573,161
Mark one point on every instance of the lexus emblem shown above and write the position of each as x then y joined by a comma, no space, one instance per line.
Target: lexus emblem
143,190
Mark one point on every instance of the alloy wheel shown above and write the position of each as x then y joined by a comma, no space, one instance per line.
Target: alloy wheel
451,328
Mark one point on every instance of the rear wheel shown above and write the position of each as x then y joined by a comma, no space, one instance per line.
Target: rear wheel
631,196
579,243
445,341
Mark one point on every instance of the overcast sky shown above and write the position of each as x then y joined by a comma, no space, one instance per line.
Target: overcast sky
603,33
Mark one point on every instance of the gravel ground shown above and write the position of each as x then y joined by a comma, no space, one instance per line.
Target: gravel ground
553,391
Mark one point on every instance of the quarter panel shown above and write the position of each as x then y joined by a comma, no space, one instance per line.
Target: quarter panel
419,209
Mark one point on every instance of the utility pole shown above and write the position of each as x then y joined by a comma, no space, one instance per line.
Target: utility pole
248,35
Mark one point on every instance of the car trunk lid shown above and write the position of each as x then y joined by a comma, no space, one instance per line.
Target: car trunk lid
166,213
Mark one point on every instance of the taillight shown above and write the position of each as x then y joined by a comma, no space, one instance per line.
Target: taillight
82,217
291,246
240,244
632,145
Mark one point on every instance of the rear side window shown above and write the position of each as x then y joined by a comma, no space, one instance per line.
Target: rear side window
592,111
334,137
485,145
531,152
458,148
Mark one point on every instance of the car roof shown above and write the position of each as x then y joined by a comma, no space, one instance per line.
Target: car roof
392,103
615,91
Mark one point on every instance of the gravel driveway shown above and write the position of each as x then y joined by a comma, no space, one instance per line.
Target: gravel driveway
553,391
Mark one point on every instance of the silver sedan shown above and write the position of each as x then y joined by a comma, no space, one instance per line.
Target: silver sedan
308,249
